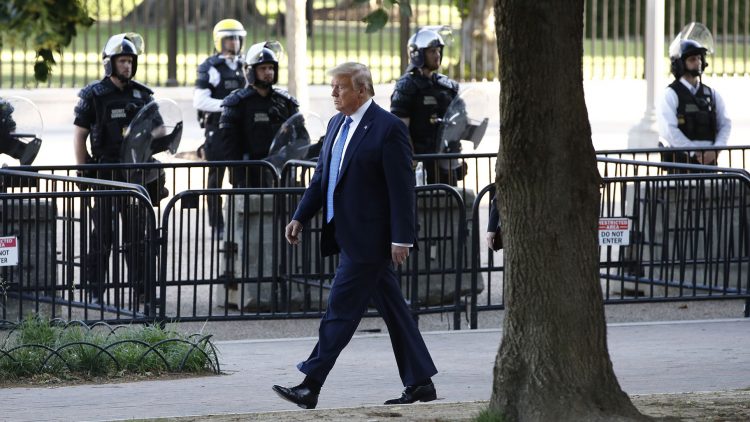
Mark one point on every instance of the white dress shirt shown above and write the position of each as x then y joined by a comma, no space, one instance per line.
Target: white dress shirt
202,99
674,137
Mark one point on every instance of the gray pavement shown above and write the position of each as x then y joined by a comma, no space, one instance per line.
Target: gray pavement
656,357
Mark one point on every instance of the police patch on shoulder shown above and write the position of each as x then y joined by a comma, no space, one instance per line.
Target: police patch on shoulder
137,94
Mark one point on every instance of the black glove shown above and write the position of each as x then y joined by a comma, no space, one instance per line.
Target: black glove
168,142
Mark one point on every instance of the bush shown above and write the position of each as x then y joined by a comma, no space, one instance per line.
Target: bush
72,349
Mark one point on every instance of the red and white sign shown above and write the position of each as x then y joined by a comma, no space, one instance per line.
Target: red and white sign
8,251
614,231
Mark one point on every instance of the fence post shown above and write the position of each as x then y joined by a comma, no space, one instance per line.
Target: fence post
172,44
404,34
296,43
645,135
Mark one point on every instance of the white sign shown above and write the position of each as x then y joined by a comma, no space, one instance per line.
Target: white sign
8,251
614,231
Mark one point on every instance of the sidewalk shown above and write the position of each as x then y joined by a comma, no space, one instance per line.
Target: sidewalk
659,357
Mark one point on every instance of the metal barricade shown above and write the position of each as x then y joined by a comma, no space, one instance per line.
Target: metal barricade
76,246
689,238
252,273
728,156
487,267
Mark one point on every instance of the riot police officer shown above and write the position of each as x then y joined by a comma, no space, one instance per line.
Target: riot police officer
422,96
218,76
251,116
104,110
691,113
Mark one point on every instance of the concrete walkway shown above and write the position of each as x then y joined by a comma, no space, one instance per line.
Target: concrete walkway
659,357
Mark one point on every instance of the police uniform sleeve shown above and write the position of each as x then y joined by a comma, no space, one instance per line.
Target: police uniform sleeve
403,97
283,105
202,78
85,115
230,127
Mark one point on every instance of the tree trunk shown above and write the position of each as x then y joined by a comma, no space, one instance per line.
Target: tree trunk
553,362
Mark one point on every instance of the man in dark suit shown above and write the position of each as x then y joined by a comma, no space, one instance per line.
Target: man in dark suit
365,185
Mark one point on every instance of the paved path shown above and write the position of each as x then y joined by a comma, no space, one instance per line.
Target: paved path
648,358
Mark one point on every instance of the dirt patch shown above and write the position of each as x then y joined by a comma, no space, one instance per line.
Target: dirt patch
52,381
725,406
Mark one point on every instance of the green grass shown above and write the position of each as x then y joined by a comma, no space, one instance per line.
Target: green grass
38,347
489,415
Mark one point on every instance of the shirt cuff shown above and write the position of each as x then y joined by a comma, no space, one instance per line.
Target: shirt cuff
405,245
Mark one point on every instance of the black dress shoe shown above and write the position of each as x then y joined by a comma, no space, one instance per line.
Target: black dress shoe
299,395
415,393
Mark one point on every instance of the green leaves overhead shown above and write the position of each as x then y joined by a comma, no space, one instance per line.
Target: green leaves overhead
378,18
46,26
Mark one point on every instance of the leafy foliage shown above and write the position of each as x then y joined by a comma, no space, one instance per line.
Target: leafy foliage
38,347
46,26
378,18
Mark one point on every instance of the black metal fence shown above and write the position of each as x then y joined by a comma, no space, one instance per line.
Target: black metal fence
178,37
685,227
63,269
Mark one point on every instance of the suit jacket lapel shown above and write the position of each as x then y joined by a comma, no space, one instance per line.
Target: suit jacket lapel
362,128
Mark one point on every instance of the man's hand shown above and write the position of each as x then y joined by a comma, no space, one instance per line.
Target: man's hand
490,239
293,229
707,157
399,254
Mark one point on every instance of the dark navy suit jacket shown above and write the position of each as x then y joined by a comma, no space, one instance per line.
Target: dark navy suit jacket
374,199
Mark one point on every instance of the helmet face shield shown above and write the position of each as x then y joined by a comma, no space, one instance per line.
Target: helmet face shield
693,34
693,40
260,53
127,43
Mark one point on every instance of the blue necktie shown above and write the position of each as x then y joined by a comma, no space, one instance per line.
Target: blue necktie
333,170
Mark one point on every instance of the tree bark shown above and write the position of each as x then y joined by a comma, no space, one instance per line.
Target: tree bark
553,362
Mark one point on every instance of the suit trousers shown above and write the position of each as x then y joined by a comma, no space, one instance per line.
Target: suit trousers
354,285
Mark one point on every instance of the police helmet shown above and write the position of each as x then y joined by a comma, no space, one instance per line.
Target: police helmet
688,48
129,43
694,39
260,53
426,37
228,28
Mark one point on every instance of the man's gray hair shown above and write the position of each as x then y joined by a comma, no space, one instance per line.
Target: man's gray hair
359,73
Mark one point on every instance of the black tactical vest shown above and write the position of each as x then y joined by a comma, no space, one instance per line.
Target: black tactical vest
229,80
253,120
114,110
696,114
423,100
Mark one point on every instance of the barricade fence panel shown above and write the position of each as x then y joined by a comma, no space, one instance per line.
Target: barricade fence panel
736,157
487,267
250,272
446,274
689,239
81,255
